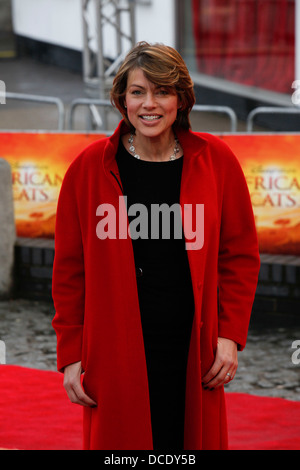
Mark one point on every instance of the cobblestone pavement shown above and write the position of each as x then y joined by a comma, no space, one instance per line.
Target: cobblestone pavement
266,366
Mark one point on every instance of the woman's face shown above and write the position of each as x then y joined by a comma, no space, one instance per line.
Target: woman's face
151,109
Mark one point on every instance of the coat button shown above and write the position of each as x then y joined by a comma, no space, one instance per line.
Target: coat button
139,272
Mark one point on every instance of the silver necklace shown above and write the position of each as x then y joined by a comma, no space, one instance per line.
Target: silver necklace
132,148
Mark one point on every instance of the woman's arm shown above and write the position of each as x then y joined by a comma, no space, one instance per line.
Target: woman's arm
68,280
238,269
238,259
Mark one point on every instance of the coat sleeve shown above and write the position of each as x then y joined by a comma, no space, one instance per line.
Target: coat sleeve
68,284
239,261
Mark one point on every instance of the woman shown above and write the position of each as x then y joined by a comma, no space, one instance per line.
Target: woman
150,314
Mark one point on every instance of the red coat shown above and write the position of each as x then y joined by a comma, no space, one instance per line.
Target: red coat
95,294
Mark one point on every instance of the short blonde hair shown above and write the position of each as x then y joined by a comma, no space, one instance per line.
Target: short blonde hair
163,66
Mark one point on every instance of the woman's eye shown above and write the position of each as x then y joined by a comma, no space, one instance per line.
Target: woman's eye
136,92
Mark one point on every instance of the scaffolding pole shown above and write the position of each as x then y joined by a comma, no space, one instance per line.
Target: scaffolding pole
98,69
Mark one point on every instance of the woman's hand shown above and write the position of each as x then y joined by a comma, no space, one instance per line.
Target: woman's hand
224,367
73,387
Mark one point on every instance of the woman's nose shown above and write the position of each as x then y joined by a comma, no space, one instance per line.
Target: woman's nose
149,100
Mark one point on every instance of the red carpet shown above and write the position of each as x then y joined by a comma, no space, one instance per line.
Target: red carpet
260,423
35,414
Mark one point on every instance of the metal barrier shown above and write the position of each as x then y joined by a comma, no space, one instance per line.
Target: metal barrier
269,110
42,99
98,119
221,110
92,103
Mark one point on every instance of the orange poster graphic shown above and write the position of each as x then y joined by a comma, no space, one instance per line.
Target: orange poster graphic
38,163
271,164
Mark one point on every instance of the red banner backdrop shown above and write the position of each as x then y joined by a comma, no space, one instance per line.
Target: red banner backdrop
271,164
251,42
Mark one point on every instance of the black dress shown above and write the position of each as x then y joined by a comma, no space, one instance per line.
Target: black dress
165,294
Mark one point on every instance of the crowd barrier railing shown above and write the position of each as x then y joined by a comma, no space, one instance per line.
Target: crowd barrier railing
97,119
268,110
219,110
45,100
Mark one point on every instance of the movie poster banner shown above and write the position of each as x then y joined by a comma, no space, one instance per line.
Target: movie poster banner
39,162
271,164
